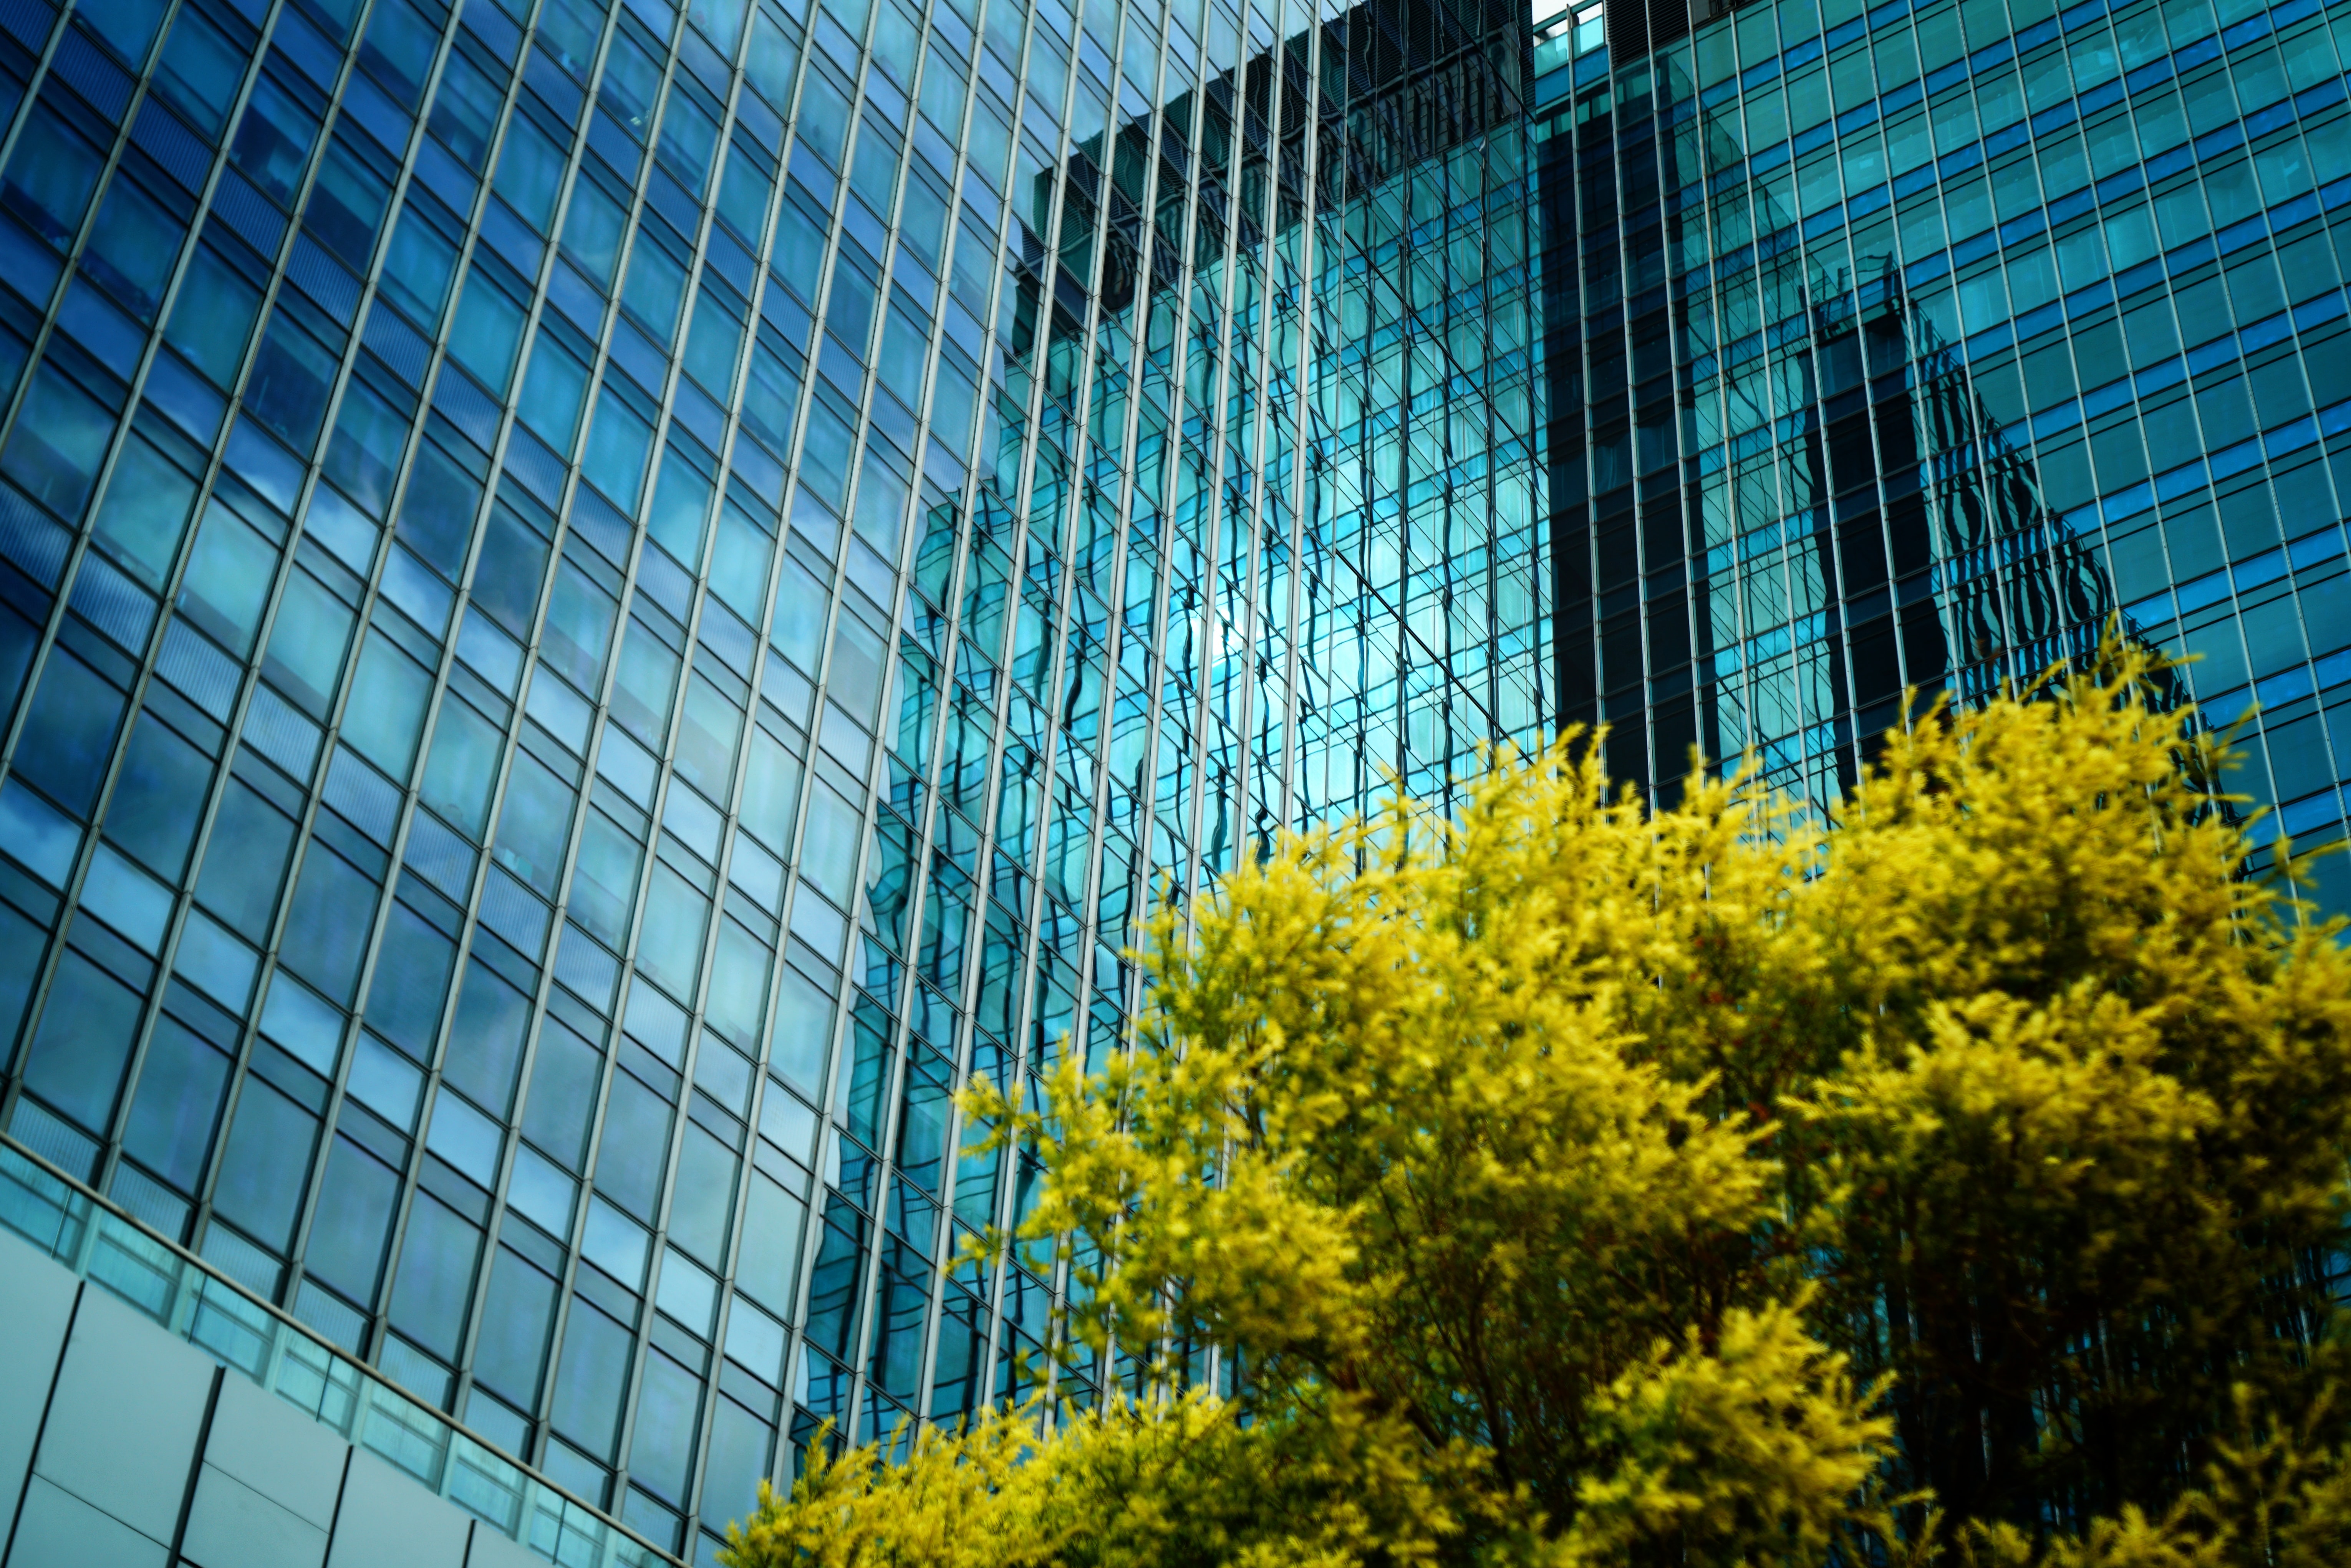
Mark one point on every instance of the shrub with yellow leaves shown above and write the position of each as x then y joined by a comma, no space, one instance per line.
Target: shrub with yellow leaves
1573,1184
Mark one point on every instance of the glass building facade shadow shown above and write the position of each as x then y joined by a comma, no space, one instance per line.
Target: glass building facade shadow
1908,344
600,605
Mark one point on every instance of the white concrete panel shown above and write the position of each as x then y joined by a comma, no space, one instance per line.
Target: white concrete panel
390,1521
57,1530
36,1295
122,1426
233,1526
492,1550
281,1453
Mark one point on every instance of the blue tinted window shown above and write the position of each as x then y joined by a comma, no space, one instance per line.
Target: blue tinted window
704,1205
535,825
307,642
200,70
129,27
390,692
352,1221
228,578
149,500
635,1145
263,1165
412,978
328,925
417,268
69,735
465,109
59,441
169,1129
437,1276
669,1408
246,861
159,797
740,1448
485,1041
347,203
564,1078
513,565
50,178
132,246
398,50
516,1317
213,317
76,1059
688,136
363,454
592,229
743,195
656,286
274,140
292,375
436,518
590,1380
530,172
553,391
461,766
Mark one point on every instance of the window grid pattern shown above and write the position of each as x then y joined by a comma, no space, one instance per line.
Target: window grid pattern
1916,341
599,605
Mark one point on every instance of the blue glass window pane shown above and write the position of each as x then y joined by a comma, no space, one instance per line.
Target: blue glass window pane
741,1446
265,1164
635,1147
132,246
419,265
274,140
78,1058
485,1041
516,1316
292,376
69,734
411,979
246,861
705,1204
363,454
435,1280
59,440
590,1380
398,50
347,203
176,1105
213,317
669,1410
327,927
200,70
353,1219
565,1075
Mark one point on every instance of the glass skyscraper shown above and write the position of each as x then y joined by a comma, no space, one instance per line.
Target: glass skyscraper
603,604
1911,344
600,606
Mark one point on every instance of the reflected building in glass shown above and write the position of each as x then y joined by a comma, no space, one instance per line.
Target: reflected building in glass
600,605
1907,345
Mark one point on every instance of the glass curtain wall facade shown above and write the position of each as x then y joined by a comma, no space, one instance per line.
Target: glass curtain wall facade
599,604
1907,344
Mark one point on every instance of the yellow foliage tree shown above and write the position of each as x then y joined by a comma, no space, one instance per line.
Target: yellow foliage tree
1572,1184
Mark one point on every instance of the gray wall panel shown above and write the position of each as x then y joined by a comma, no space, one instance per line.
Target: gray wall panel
36,1297
233,1526
491,1550
123,1427
276,1450
390,1521
58,1530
